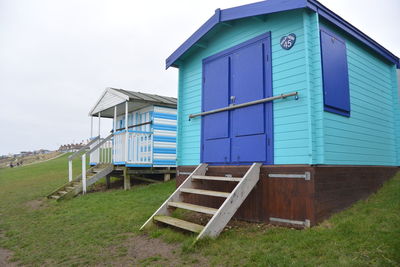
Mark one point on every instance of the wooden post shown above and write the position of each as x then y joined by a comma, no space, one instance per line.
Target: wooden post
70,170
108,181
84,173
167,176
127,179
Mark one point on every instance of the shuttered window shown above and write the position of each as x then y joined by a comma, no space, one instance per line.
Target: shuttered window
335,74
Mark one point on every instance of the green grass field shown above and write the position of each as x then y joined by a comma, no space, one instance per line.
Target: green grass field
102,228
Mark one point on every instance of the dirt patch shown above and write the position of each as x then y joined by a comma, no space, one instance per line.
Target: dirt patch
5,256
141,250
35,204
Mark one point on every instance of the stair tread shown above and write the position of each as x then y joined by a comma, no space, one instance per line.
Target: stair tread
205,192
193,207
62,192
55,197
217,178
193,227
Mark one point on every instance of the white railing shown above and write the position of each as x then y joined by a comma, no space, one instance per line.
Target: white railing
132,147
77,153
103,153
119,147
139,147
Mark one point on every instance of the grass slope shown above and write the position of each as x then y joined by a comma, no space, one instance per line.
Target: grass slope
82,231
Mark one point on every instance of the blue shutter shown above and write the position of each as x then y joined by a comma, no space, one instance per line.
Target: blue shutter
335,74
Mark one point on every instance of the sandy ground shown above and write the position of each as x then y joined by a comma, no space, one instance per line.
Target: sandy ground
5,256
141,250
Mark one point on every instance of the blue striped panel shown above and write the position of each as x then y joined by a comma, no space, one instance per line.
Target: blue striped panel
165,116
164,127
164,150
164,162
139,165
164,139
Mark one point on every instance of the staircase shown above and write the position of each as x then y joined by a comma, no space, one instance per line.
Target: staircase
75,187
221,216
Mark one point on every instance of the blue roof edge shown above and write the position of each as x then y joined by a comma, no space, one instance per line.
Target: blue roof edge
273,6
352,30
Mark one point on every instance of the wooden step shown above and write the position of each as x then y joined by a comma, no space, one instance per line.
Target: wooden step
205,192
62,192
193,227
55,197
70,187
192,207
217,178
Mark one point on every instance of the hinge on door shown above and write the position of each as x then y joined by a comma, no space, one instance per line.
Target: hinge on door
267,57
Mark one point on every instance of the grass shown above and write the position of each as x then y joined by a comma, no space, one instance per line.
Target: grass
82,231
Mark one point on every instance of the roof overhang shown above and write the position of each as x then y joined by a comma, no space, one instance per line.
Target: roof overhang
273,6
103,105
113,98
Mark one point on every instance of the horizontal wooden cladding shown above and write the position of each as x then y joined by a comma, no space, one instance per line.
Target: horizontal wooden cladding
337,188
286,198
330,189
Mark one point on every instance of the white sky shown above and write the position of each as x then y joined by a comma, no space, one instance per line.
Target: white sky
57,56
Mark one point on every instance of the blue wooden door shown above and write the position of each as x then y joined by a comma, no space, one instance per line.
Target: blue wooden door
238,75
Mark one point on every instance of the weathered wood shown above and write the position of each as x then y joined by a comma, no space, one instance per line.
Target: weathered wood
193,227
176,196
150,171
196,208
108,181
144,179
217,178
332,188
167,176
205,192
127,179
232,203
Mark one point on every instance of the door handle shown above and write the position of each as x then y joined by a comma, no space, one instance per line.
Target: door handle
233,98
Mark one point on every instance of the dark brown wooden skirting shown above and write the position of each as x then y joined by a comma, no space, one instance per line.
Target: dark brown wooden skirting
331,189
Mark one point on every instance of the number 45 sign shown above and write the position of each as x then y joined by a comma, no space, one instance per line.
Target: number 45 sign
287,42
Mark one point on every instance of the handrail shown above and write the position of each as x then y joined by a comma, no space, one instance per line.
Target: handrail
99,144
83,148
133,126
264,100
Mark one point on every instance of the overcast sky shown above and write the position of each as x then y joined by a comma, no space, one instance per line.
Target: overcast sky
57,56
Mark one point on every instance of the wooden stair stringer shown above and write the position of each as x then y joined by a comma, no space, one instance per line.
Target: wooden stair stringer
177,195
232,203
76,184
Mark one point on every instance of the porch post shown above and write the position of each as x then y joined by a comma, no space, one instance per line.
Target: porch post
127,179
99,121
115,119
126,132
91,127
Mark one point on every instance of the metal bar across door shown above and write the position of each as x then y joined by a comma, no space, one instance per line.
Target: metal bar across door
264,100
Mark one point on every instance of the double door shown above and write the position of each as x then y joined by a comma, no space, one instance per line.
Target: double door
235,76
